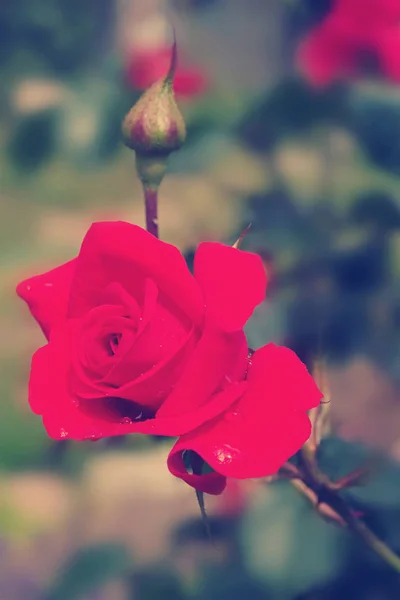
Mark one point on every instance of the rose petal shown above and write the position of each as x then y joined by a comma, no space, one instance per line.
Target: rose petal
214,362
50,394
284,376
149,389
125,253
181,424
389,53
209,483
263,429
233,283
47,295
64,415
163,335
115,294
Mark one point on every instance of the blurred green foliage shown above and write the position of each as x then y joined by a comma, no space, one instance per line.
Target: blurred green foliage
88,570
51,36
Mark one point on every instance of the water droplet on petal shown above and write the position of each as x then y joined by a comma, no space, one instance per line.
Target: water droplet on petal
232,415
48,285
75,402
63,433
225,454
126,421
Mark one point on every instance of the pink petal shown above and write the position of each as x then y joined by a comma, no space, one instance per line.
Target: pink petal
127,254
284,376
47,295
209,483
218,359
65,415
389,53
233,283
263,429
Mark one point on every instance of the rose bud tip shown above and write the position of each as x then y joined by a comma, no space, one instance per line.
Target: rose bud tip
154,126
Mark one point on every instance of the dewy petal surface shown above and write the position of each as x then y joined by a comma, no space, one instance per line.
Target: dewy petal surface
261,430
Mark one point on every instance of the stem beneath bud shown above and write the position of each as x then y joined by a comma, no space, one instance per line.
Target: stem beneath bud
151,201
154,128
151,170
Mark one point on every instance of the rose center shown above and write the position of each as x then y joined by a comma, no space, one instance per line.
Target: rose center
114,342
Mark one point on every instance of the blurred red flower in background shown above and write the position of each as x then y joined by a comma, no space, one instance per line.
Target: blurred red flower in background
353,31
144,67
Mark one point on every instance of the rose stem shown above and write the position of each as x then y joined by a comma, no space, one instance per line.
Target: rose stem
151,171
197,464
151,205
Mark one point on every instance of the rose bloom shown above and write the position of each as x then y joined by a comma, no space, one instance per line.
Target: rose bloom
353,31
144,67
137,344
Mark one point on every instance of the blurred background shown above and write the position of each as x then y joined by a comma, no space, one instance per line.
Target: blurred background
289,128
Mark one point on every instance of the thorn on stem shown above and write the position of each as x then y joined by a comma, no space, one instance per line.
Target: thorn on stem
242,236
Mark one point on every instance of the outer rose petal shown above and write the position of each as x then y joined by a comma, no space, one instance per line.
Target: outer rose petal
262,430
64,414
209,483
47,295
284,376
389,53
233,283
121,252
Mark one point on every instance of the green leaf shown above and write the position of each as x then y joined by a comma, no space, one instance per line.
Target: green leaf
89,569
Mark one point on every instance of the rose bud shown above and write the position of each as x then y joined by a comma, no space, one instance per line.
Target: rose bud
155,125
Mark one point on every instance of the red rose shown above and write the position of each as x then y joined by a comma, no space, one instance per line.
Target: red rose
353,30
136,343
131,345
146,67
